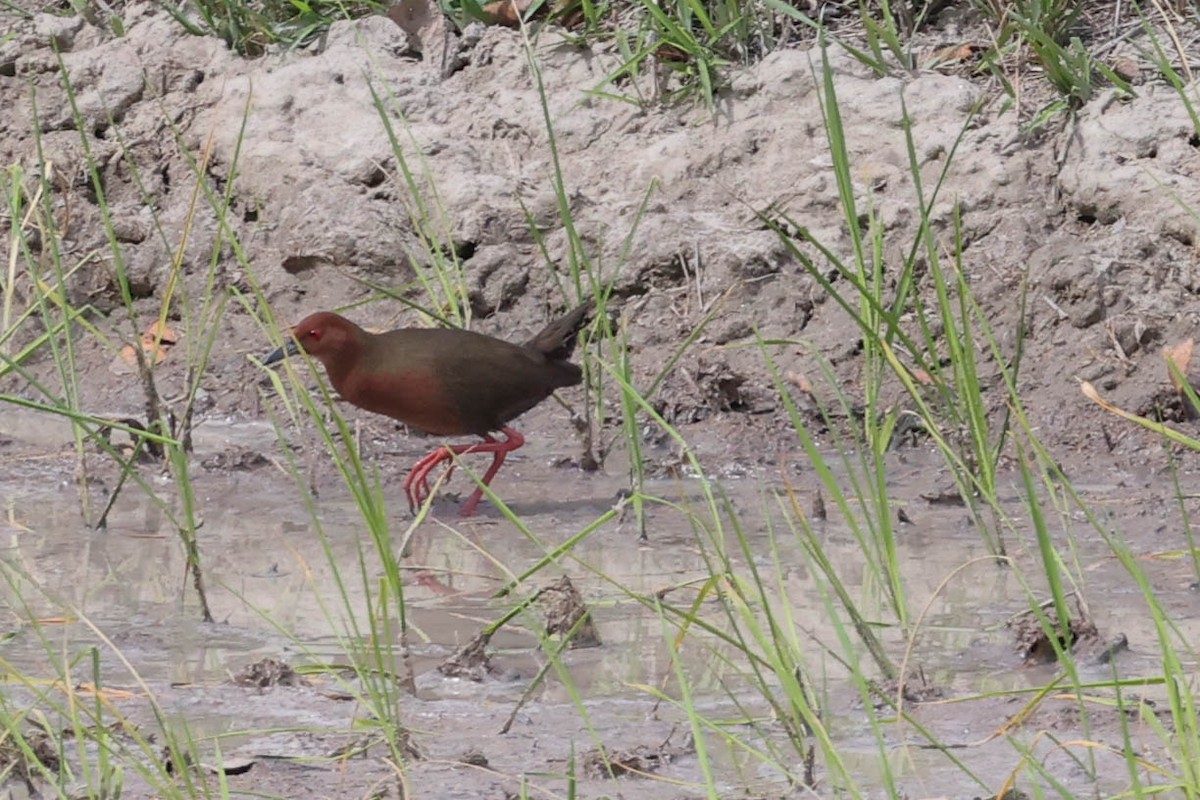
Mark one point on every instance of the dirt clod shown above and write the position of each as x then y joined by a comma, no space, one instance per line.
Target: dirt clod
695,392
916,688
639,760
475,758
235,459
568,615
14,761
472,662
1082,639
1007,794
267,673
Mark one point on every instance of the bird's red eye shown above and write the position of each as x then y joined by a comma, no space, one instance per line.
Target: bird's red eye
315,334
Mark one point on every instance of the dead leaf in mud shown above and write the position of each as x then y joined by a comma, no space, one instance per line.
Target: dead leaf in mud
568,615
799,380
506,12
1126,69
267,673
108,694
953,54
665,51
921,376
1181,356
423,20
157,340
429,580
567,13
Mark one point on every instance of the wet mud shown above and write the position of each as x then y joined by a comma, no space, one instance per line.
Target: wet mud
269,680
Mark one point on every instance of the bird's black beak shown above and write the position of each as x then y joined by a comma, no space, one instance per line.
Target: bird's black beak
279,354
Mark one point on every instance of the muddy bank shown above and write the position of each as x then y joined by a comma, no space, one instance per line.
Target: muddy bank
1086,218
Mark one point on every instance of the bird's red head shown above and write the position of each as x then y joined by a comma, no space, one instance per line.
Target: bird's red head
325,335
334,341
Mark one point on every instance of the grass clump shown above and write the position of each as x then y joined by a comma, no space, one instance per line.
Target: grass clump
250,27
686,50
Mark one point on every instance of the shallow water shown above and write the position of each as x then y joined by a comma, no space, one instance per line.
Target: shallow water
272,570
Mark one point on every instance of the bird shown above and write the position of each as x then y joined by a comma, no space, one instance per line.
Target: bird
443,381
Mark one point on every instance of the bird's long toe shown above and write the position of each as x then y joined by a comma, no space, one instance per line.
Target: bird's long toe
412,491
416,485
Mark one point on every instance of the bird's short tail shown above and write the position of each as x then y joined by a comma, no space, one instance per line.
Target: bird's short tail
557,340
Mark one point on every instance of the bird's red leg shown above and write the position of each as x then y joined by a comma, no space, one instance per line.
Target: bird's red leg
416,485
499,450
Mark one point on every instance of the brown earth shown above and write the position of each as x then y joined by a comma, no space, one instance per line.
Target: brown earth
1091,216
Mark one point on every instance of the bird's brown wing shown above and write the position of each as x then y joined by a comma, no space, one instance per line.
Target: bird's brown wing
494,387
468,382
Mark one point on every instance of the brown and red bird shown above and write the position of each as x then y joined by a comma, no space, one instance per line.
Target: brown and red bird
444,381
